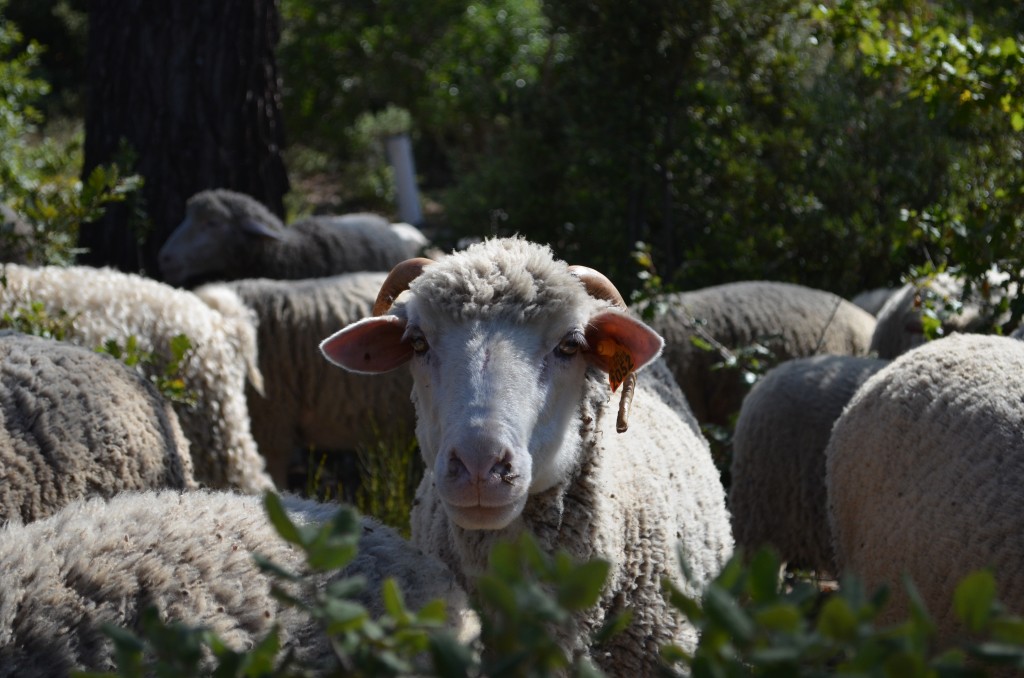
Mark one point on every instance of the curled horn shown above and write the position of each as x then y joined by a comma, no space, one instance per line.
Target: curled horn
397,282
600,287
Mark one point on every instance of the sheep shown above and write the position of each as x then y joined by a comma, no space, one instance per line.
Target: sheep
189,554
76,423
924,471
103,304
777,488
900,320
873,299
228,235
303,404
790,320
508,348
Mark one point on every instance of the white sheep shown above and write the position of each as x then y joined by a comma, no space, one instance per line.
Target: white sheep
302,403
924,472
228,235
792,321
191,555
104,304
777,472
511,353
74,423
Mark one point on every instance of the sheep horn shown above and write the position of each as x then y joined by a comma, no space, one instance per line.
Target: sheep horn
397,282
600,287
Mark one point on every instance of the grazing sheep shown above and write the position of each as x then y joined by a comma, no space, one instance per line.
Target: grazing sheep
511,353
792,321
190,555
305,403
227,235
924,472
777,490
104,304
75,424
900,327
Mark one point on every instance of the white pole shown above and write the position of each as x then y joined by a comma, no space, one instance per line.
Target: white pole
399,150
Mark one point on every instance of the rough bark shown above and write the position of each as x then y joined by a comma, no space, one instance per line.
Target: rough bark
188,91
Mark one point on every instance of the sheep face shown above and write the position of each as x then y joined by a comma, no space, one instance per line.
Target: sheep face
497,389
217,224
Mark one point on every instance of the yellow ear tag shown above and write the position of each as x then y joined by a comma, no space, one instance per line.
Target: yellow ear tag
620,361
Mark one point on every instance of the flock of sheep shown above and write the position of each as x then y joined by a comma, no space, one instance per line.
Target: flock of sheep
540,401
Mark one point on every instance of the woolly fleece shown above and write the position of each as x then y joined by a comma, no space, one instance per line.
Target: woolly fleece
104,304
790,320
777,486
76,424
191,556
305,403
924,472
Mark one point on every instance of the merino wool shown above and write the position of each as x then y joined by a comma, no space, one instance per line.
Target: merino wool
189,555
791,321
103,305
305,403
628,498
74,423
777,473
924,472
217,240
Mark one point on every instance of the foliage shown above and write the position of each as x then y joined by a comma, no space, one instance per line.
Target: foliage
36,319
750,626
390,469
164,373
39,177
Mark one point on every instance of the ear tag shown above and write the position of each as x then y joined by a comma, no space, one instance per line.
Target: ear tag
620,361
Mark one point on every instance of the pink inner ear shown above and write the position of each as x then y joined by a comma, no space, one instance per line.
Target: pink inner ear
370,346
643,343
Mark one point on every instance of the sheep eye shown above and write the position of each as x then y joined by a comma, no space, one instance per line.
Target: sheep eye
569,346
419,344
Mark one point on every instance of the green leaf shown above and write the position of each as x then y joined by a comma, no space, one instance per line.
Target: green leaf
764,576
973,599
837,621
280,520
724,610
584,587
779,617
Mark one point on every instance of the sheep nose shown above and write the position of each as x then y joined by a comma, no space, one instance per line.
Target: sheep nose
477,468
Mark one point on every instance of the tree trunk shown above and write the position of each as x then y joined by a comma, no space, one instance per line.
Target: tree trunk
186,93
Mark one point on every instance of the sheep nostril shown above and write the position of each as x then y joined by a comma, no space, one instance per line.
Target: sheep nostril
456,467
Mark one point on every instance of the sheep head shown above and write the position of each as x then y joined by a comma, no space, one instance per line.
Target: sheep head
217,224
499,339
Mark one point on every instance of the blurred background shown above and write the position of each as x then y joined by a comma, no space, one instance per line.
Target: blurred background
673,145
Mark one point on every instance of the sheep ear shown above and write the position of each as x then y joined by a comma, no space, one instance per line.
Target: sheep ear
260,230
620,344
370,346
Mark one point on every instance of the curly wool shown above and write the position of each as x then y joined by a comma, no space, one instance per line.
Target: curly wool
103,304
630,499
777,487
189,555
78,424
304,405
312,247
924,472
792,321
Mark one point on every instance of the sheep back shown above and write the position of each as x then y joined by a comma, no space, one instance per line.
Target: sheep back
791,320
305,404
103,304
924,471
777,488
189,555
77,424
